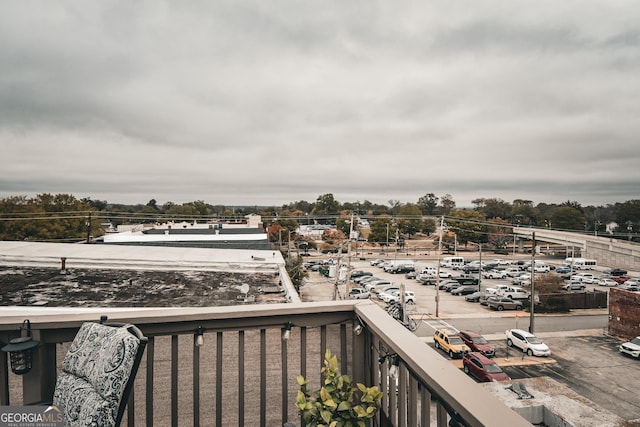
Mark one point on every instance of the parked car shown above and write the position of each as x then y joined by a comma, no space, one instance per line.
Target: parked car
608,282
540,268
564,269
474,297
620,279
449,342
359,273
376,285
494,274
430,269
496,289
627,286
583,277
471,269
575,286
385,293
464,290
377,261
483,368
359,293
616,272
411,275
365,279
409,297
445,274
503,303
450,286
447,283
527,342
484,297
477,342
632,348
514,293
426,279
467,279
401,268
512,272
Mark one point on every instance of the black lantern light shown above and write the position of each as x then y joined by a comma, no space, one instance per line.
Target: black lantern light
21,350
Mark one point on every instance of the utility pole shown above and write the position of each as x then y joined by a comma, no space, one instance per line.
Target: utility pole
89,228
438,268
480,271
395,252
533,282
348,281
387,236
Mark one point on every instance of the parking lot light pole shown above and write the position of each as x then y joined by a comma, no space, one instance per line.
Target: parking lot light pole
533,289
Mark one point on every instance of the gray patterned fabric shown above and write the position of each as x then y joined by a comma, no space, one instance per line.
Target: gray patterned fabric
94,375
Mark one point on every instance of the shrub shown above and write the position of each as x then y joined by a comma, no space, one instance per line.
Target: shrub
338,403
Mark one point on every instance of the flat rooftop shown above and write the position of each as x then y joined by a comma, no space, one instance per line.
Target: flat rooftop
32,275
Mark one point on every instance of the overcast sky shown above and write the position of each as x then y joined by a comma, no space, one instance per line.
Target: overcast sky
269,102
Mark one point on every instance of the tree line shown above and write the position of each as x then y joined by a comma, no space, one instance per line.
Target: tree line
63,217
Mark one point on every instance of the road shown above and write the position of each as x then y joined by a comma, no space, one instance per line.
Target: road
543,323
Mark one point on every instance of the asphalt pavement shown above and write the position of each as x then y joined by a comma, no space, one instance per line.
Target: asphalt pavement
584,357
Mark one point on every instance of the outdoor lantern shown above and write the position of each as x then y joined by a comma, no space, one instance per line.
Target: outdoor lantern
21,350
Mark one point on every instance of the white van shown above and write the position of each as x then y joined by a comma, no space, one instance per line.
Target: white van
452,262
581,263
585,264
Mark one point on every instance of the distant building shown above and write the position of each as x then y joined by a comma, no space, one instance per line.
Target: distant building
313,231
248,234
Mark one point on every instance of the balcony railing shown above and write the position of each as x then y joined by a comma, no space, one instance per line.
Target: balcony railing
244,374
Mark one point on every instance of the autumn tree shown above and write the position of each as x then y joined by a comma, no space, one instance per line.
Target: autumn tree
568,218
380,226
469,225
326,205
523,212
447,204
627,213
428,204
493,207
428,226
410,219
333,236
500,233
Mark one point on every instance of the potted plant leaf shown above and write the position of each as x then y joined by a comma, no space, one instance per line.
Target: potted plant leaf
338,403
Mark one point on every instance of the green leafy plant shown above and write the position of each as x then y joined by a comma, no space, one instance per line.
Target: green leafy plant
338,403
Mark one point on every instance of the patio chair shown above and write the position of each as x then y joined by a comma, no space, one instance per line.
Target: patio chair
98,373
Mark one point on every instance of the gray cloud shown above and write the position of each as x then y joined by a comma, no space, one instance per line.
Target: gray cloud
259,103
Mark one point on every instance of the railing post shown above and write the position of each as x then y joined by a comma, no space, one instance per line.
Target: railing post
358,356
4,379
39,383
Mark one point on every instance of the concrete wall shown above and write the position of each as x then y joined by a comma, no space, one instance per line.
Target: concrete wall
624,313
607,251
613,253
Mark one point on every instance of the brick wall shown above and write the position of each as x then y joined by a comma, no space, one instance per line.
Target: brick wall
624,313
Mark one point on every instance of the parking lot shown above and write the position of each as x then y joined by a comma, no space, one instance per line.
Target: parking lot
588,362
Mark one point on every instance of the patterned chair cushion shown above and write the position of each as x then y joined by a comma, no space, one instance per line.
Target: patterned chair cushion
95,373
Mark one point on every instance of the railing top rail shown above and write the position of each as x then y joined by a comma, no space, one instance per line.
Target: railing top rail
249,314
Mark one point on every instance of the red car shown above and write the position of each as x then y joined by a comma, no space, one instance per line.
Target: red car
483,368
477,343
620,279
